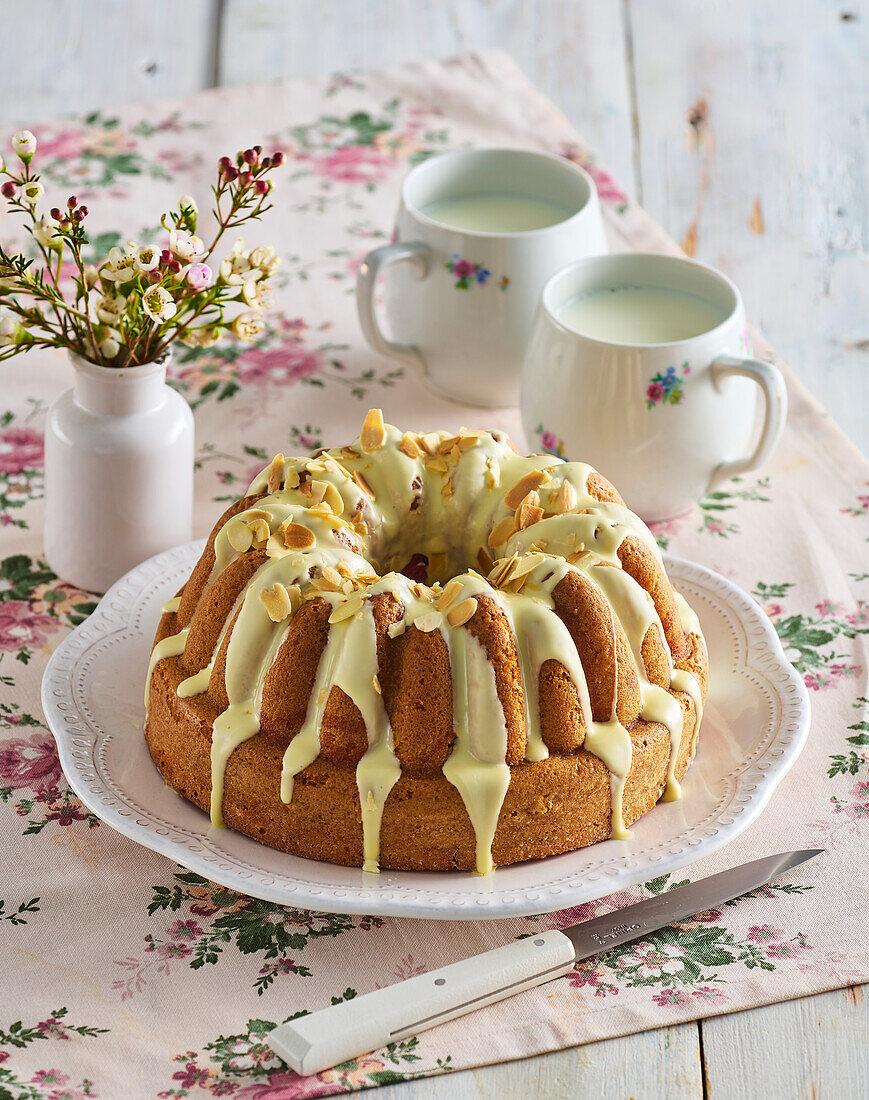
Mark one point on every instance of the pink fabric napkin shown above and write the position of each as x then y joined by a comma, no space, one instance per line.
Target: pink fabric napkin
123,974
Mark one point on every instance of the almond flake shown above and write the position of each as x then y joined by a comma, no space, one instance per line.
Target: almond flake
565,499
484,560
375,683
502,531
370,802
276,473
529,510
428,622
240,536
430,442
363,484
450,594
346,610
493,473
447,488
277,602
527,563
409,446
297,536
395,629
459,615
348,586
446,445
318,489
291,479
523,487
259,530
331,577
373,434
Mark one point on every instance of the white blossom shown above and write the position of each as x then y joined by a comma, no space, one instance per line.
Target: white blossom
248,326
110,345
185,246
91,275
237,268
8,330
199,276
32,192
266,259
257,294
205,337
120,265
110,307
158,304
45,233
24,144
147,257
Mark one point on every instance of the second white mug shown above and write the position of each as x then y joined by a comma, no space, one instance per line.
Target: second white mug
463,277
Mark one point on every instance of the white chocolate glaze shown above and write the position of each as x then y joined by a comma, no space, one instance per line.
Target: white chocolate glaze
336,527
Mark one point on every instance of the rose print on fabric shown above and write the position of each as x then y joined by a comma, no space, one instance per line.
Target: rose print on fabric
34,605
666,389
245,1067
21,466
212,917
607,188
50,1083
716,511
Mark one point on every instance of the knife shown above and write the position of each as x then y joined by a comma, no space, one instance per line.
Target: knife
333,1035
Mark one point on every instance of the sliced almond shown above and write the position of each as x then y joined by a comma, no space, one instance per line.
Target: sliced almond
330,579
430,442
468,439
277,602
318,489
449,595
373,434
523,487
439,465
527,563
259,530
291,479
348,454
276,473
346,610
297,536
529,510
502,531
565,499
493,473
459,615
363,484
240,536
484,560
447,488
446,445
428,622
395,629
409,446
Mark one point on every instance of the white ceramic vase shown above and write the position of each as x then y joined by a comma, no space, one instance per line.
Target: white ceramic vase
118,472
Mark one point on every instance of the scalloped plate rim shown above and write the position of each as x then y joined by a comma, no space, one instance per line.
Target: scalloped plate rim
421,901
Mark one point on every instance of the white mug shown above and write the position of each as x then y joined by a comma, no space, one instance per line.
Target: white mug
664,422
460,303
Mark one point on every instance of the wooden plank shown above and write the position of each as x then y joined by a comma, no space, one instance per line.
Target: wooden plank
62,57
811,1047
769,182
573,50
663,1063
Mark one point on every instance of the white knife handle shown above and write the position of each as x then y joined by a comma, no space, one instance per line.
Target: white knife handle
332,1035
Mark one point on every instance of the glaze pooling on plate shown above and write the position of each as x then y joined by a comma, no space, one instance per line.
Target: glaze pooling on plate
757,714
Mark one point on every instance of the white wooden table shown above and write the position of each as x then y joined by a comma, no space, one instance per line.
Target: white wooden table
742,128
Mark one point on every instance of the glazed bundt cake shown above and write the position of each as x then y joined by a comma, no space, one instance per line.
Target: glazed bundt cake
427,651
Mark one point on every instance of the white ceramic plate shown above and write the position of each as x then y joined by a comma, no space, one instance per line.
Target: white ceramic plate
756,721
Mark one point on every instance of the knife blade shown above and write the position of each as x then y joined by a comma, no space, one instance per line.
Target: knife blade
326,1038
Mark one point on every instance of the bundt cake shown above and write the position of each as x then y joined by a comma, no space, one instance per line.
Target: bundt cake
427,651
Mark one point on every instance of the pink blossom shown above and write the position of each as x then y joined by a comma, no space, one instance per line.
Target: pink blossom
654,391
49,1077
284,364
773,610
173,950
66,1093
353,164
199,276
463,269
708,993
784,950
21,627
31,761
64,145
763,933
607,187
671,997
184,930
828,607
549,440
714,528
288,1085
20,449
653,961
52,1028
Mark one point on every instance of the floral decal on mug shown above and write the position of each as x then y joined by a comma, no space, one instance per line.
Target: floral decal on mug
666,389
466,274
550,442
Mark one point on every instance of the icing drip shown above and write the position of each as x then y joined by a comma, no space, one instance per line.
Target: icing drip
476,766
171,606
338,516
172,646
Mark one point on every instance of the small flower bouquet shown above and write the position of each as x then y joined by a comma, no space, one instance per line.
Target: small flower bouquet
127,310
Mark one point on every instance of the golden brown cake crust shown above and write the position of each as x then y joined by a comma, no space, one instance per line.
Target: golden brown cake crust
559,794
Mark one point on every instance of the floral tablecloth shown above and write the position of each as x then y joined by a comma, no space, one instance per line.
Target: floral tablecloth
125,975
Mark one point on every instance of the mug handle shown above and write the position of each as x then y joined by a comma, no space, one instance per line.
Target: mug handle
417,255
771,381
